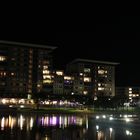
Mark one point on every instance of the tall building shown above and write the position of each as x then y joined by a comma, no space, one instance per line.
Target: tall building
92,78
25,69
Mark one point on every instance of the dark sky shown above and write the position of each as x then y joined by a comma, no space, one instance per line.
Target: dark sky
115,38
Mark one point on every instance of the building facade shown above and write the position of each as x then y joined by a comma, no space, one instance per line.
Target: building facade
131,92
25,69
92,78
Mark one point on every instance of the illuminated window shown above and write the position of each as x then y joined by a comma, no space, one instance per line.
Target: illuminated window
45,67
81,74
130,91
67,78
100,88
99,84
87,79
87,70
47,81
46,71
130,88
12,73
85,92
59,72
46,76
2,58
101,71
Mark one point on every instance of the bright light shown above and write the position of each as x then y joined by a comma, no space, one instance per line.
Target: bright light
87,79
2,58
110,129
21,106
127,119
97,117
72,93
59,72
4,101
128,133
111,118
97,127
2,123
104,116
125,116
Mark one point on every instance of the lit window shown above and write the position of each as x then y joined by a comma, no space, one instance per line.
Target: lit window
46,72
47,81
87,79
130,91
12,73
130,94
45,67
85,92
2,58
100,88
67,78
46,76
101,71
59,72
99,84
130,88
87,70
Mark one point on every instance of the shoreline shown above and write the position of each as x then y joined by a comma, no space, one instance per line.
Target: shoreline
67,111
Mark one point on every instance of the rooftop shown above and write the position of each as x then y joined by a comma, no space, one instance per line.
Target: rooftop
93,61
27,44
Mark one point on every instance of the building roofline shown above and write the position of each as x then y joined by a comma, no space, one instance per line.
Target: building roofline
94,61
27,44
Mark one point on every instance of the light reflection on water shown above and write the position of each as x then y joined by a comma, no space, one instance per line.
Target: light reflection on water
59,127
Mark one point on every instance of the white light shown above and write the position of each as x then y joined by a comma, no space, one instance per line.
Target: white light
127,119
97,117
97,127
21,106
110,129
125,116
111,118
10,106
128,133
2,123
104,116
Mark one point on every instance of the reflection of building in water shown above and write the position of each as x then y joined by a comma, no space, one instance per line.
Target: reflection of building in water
28,122
105,134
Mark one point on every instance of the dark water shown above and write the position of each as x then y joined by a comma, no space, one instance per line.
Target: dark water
64,127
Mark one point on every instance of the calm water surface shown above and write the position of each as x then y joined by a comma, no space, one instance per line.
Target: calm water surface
64,127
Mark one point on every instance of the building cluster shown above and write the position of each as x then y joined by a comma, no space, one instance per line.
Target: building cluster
27,69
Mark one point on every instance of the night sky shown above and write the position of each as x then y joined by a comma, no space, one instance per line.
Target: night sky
114,39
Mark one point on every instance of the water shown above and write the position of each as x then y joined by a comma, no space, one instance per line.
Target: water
65,127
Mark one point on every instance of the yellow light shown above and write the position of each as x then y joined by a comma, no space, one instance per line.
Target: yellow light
59,72
87,79
67,78
2,58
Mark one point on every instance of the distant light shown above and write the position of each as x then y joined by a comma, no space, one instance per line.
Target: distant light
97,117
127,120
97,127
21,106
128,133
110,129
125,116
104,116
111,118
72,93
